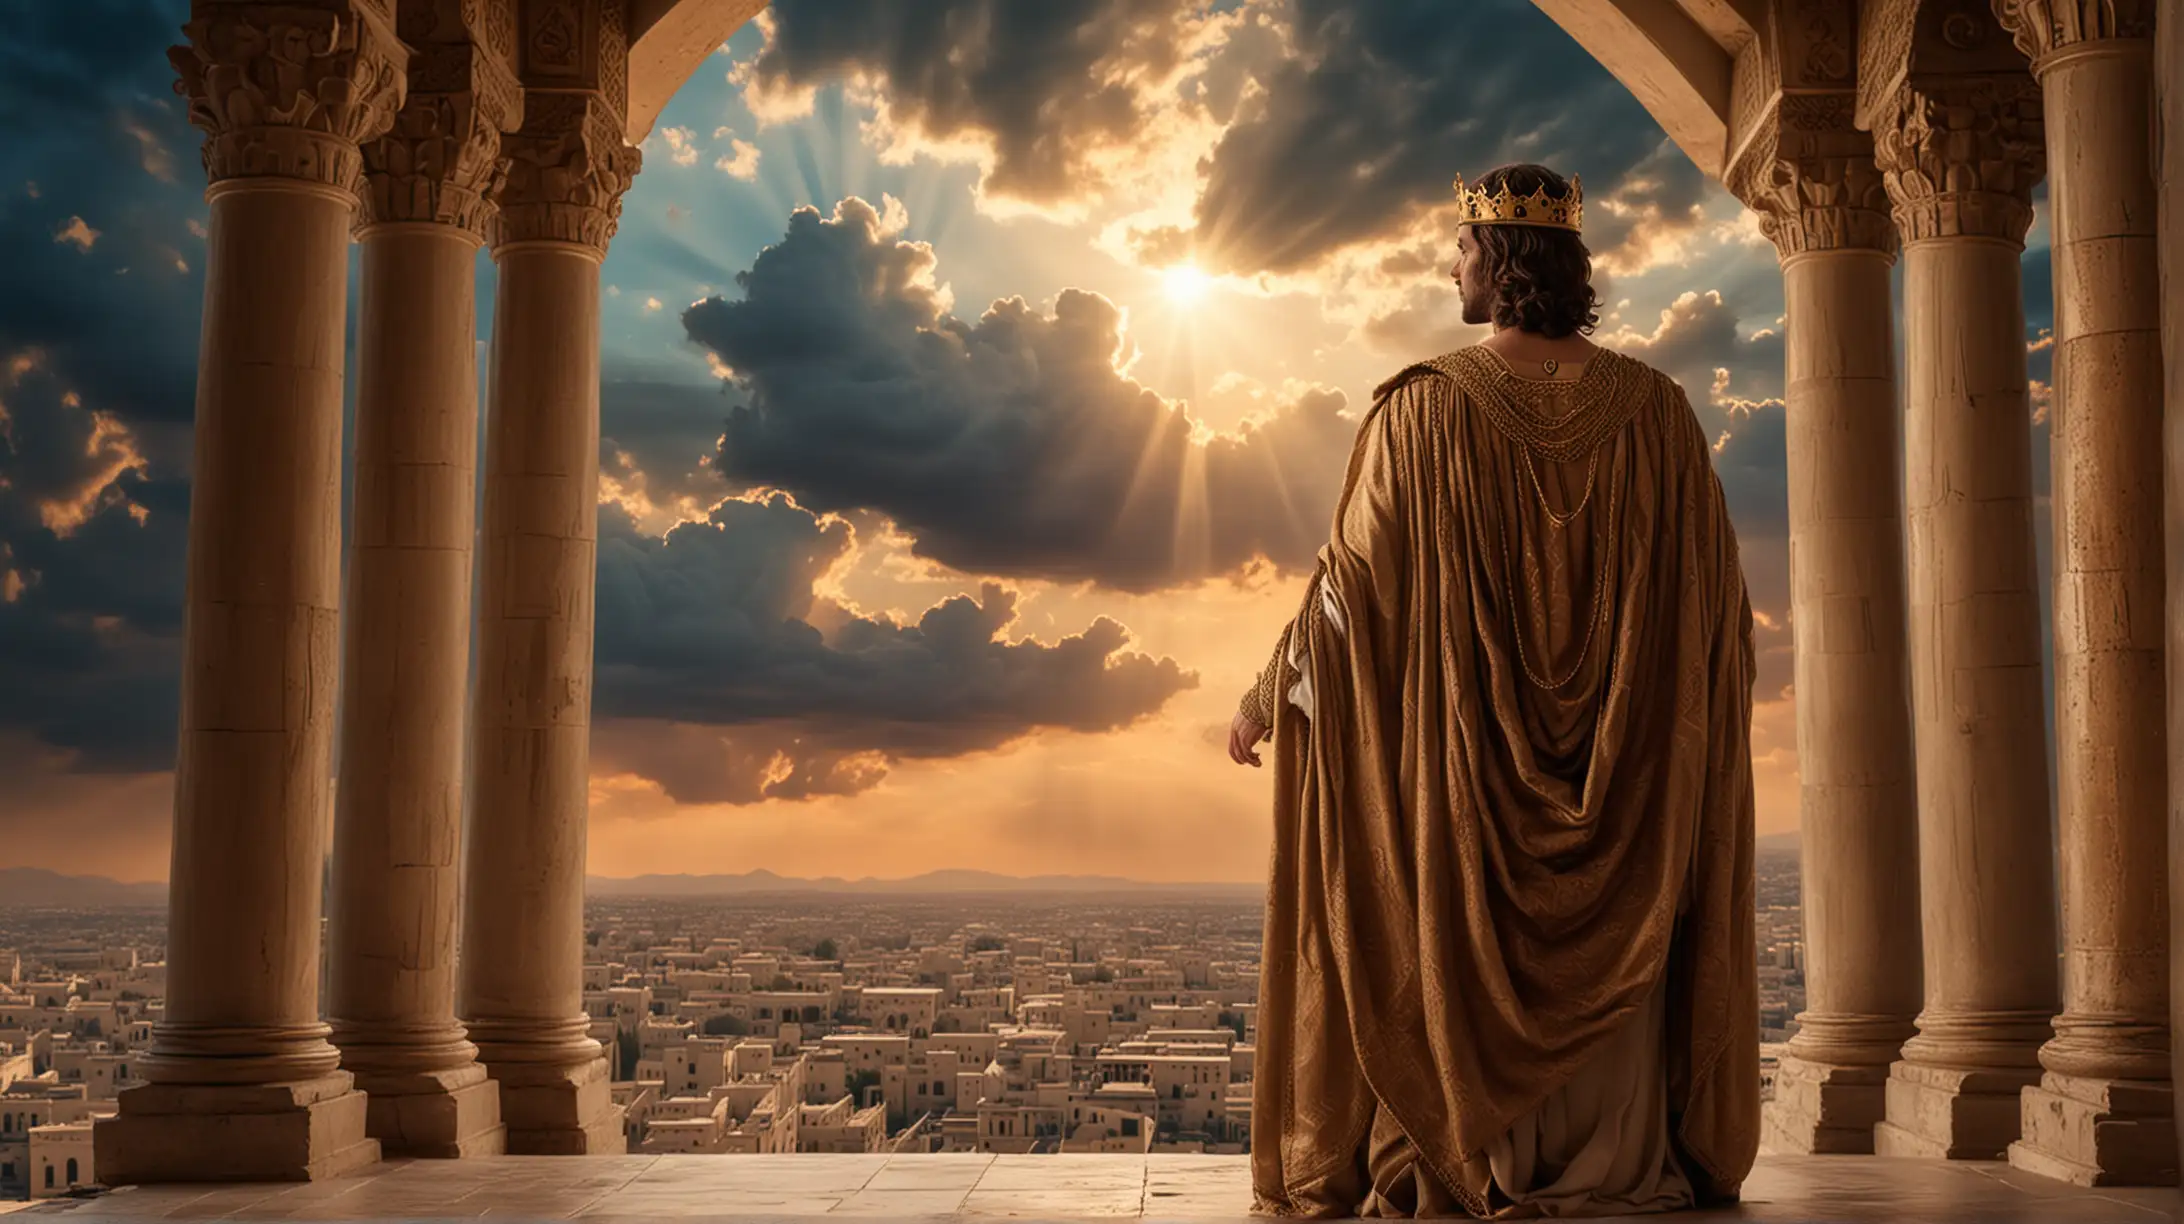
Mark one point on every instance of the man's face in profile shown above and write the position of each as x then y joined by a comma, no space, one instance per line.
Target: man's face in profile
1477,295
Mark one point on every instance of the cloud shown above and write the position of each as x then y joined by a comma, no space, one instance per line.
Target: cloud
97,389
1651,217
1360,131
1013,445
77,233
1053,99
91,550
726,678
680,148
741,159
1697,335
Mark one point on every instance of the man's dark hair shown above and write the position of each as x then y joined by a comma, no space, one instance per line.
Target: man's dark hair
1542,277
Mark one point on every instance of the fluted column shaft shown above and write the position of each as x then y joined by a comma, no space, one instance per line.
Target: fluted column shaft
398,821
1823,204
1960,158
2109,686
523,914
2168,167
284,94
2101,1114
1986,866
1858,812
406,656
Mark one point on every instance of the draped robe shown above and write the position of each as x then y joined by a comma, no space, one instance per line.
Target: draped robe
1521,809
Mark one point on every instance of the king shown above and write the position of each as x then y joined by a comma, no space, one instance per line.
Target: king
1508,963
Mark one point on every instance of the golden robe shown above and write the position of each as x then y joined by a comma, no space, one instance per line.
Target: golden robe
1513,841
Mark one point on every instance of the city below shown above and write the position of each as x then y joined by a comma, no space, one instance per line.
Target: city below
957,1012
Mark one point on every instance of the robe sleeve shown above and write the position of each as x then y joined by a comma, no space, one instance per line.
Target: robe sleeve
1365,524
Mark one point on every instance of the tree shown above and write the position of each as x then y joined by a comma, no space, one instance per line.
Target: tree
825,950
782,981
988,943
726,1024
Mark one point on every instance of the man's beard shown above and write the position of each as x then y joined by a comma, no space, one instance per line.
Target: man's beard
1478,306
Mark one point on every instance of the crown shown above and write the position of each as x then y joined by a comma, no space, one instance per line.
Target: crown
1476,207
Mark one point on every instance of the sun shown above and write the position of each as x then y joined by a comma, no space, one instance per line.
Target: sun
1186,285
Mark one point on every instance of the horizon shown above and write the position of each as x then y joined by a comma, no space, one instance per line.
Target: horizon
1766,842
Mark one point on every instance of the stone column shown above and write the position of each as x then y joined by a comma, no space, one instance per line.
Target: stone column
1960,156
1828,216
523,912
2168,167
2101,1114
399,802
241,1082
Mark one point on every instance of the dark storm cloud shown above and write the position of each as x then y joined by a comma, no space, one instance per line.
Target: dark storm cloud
666,433
99,301
1008,446
90,579
1697,336
715,681
1046,84
1383,104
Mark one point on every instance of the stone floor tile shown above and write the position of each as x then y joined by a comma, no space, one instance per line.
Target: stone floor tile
903,1203
1043,1204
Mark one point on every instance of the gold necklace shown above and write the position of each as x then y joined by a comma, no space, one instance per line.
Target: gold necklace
1592,469
1604,403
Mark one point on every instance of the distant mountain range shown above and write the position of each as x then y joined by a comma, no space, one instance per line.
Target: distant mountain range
35,886
932,883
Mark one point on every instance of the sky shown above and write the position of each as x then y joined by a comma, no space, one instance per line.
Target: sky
978,380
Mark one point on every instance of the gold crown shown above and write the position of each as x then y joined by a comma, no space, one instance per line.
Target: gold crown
1476,207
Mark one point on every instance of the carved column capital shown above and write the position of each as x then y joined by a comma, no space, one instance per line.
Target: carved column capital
2041,27
442,162
1960,155
290,90
1809,173
568,167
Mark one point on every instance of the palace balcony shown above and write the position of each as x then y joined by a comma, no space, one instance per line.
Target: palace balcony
1047,1187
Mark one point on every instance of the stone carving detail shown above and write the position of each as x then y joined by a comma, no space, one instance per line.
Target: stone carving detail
557,40
1960,156
290,90
567,169
614,57
1827,58
1963,32
1825,203
441,163
1810,175
1886,30
2041,26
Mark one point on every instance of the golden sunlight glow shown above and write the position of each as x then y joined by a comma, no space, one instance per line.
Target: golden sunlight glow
1186,285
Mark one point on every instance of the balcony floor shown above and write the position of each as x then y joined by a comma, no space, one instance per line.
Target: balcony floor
1062,1187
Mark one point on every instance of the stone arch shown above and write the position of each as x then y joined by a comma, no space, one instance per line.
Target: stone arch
668,39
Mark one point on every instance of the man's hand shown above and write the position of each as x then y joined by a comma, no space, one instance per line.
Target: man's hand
1243,738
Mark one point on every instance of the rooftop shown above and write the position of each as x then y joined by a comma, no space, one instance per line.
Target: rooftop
1054,1187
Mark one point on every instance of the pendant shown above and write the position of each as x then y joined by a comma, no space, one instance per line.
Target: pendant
1550,365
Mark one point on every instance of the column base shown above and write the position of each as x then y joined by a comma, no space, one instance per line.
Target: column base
300,1131
2097,1132
435,1114
1950,1113
1823,1108
560,1111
